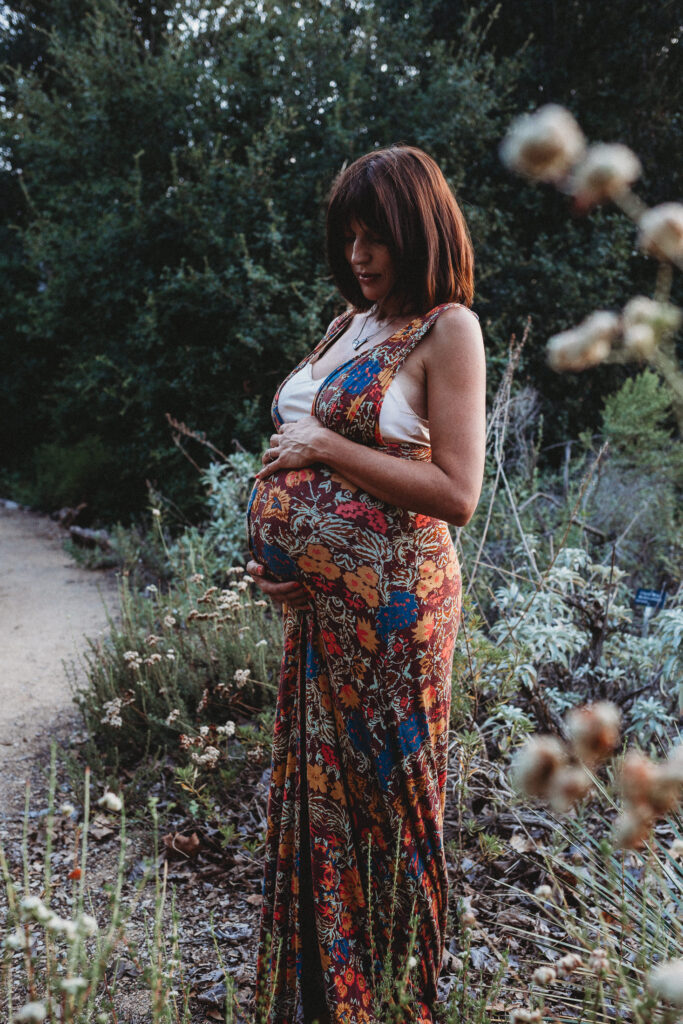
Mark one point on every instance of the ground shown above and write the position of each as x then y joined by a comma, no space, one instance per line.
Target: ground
50,608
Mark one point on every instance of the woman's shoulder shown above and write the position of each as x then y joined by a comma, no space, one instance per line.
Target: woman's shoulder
457,323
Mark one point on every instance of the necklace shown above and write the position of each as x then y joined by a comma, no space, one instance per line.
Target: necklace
359,340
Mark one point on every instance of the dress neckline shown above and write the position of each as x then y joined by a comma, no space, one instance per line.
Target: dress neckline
358,355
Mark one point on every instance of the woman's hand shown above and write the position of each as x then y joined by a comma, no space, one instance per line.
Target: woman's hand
295,446
291,593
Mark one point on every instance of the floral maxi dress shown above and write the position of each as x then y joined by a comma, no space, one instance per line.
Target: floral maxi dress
365,680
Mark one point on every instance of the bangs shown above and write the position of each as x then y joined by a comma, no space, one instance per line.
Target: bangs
359,199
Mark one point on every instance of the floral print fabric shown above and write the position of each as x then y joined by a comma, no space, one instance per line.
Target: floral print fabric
373,656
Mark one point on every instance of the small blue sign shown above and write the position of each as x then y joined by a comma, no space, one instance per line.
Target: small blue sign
651,598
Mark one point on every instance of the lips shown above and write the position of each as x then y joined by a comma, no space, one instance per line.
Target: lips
367,278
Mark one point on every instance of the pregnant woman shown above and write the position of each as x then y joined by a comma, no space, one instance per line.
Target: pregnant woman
379,444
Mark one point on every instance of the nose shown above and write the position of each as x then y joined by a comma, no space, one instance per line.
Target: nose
360,253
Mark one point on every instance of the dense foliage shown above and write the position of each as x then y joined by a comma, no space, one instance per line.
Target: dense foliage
163,176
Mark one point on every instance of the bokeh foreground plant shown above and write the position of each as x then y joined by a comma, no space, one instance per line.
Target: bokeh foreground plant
548,146
613,904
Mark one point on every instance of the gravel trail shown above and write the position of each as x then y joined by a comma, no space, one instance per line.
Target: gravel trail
48,606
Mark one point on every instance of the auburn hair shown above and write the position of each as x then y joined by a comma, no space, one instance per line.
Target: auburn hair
401,195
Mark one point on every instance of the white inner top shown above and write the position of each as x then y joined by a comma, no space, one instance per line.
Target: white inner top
397,420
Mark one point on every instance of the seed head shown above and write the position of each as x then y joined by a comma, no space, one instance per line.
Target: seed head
567,964
607,170
583,346
544,976
110,802
543,145
32,1013
661,231
631,829
536,763
544,892
667,981
594,730
569,785
598,961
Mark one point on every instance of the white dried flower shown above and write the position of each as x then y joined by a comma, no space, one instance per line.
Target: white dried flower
152,640
67,809
667,981
544,892
204,730
661,316
567,964
594,730
242,585
151,589
172,715
535,763
226,730
30,905
87,925
241,677
569,785
522,1015
16,939
639,341
544,976
631,829
468,918
74,985
598,961
32,1013
583,346
607,170
544,145
261,604
56,924
170,654
130,656
661,231
676,849
644,322
412,963
110,802
236,570
169,621
196,577
43,914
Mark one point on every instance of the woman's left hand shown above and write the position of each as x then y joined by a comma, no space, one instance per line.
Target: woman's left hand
295,446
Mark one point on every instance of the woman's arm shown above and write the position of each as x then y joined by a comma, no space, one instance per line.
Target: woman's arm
448,487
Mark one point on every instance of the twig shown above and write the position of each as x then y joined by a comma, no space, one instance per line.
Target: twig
182,429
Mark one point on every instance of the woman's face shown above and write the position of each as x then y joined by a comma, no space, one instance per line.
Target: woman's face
371,262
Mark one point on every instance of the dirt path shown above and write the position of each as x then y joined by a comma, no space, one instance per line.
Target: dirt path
48,606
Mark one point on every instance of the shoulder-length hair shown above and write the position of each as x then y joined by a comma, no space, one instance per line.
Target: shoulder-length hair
401,195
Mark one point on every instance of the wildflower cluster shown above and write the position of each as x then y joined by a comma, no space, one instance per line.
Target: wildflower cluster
549,146
194,655
552,770
204,748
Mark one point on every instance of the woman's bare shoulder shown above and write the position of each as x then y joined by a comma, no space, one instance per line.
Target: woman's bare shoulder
457,330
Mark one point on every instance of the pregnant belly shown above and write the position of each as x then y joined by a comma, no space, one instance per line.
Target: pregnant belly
313,525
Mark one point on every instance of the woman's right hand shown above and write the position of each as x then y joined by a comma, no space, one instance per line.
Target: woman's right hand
290,593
